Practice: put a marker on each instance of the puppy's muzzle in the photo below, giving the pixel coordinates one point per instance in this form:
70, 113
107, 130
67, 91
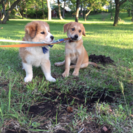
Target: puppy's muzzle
52, 38
75, 37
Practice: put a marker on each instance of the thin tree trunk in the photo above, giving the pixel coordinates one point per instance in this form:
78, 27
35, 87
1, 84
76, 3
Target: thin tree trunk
43, 9
59, 10
22, 14
36, 10
26, 10
111, 9
0, 16
118, 3
49, 9
128, 12
117, 9
9, 4
64, 9
77, 10
132, 13
81, 9
87, 14
84, 11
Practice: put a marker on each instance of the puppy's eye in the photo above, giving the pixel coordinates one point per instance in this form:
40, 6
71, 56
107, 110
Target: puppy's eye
79, 31
42, 32
73, 29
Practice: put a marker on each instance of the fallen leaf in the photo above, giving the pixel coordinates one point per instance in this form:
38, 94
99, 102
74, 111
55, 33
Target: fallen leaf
69, 109
131, 115
105, 129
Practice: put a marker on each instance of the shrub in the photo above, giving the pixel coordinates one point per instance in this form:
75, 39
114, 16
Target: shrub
13, 12
31, 13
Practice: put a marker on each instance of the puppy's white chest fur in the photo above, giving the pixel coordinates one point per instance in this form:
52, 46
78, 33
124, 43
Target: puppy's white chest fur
37, 56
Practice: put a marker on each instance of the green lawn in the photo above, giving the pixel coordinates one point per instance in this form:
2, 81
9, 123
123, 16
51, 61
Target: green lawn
41, 105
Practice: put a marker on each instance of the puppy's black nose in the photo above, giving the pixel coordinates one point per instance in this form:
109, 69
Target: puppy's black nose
76, 36
52, 37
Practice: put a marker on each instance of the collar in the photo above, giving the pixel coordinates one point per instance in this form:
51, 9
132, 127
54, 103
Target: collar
45, 50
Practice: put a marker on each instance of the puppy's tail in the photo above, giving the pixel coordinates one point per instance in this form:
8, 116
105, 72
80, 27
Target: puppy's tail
94, 64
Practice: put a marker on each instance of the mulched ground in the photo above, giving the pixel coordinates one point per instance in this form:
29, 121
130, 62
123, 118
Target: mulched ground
101, 59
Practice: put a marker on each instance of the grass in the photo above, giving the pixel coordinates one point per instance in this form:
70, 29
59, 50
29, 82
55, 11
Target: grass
19, 99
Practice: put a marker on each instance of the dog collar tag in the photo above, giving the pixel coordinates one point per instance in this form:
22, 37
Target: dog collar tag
45, 50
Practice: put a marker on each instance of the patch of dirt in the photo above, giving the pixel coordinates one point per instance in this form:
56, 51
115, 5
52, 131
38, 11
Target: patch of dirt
47, 109
101, 59
103, 95
91, 127
4, 84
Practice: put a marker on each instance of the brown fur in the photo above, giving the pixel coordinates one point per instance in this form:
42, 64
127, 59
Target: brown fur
74, 51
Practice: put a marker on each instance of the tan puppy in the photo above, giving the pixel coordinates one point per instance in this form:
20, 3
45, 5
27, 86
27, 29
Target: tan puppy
36, 31
75, 52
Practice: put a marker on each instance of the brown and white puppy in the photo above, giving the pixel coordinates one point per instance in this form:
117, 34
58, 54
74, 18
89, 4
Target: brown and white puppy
75, 52
36, 31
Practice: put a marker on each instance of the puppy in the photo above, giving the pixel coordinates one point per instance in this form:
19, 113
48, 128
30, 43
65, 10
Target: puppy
75, 52
36, 31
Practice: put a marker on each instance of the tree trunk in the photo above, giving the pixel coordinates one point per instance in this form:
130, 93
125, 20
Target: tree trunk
36, 9
49, 9
22, 14
111, 9
118, 3
81, 13
6, 13
5, 18
1, 16
43, 9
59, 10
64, 9
26, 10
84, 11
77, 10
87, 14
117, 9
129, 13
132, 13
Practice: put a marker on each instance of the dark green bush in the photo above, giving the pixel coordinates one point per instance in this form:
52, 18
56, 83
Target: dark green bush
32, 13
13, 12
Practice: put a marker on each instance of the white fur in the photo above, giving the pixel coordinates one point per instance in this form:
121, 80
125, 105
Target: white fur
38, 58
48, 36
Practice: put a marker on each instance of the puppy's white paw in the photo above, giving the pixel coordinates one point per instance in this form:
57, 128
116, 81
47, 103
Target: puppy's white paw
51, 79
27, 79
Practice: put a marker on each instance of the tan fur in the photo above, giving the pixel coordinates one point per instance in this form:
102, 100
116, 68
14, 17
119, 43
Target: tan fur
34, 56
74, 51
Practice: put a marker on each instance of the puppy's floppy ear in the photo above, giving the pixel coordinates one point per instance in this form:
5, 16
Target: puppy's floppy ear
83, 29
31, 29
66, 26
